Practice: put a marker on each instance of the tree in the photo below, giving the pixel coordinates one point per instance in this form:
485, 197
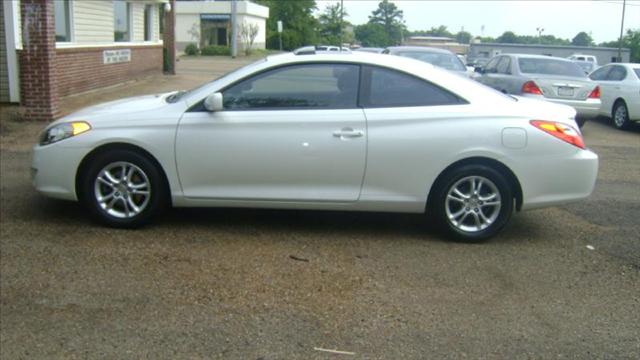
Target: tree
248, 33
631, 41
332, 25
388, 15
299, 25
463, 37
372, 35
508, 37
582, 39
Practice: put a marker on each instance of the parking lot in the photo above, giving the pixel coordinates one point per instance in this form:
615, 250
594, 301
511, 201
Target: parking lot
562, 282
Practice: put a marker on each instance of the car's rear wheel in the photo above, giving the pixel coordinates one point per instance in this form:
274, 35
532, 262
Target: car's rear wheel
472, 203
123, 188
580, 121
620, 115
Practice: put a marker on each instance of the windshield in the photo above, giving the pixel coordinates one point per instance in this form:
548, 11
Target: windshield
550, 67
446, 61
175, 97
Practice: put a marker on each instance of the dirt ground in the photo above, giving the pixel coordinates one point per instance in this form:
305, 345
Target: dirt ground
562, 282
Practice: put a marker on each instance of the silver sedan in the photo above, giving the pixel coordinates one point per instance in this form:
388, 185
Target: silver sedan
546, 78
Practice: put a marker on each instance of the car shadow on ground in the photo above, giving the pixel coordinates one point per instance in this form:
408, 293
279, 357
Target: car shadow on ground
257, 222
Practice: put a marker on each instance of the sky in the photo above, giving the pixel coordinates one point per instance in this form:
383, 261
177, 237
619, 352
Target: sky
600, 18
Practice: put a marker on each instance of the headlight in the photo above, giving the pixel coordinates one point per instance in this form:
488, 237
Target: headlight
63, 131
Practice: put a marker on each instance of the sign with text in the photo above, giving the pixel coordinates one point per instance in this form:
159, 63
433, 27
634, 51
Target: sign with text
116, 56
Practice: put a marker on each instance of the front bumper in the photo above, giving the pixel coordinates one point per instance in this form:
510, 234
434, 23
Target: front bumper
54, 168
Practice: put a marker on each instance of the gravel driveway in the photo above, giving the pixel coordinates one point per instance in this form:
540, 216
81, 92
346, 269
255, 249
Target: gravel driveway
262, 284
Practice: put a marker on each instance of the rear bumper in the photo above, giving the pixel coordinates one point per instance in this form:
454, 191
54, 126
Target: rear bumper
560, 181
589, 108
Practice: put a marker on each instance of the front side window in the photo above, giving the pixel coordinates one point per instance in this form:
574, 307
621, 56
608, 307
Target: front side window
504, 65
491, 66
121, 21
617, 73
62, 19
600, 74
391, 88
308, 86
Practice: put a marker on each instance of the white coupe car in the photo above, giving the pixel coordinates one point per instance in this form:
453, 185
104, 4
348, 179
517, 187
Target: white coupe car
620, 92
340, 131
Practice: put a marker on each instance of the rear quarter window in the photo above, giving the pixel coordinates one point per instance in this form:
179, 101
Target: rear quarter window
391, 88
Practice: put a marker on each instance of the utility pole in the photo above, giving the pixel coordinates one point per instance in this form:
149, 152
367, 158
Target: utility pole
340, 27
234, 28
624, 3
539, 30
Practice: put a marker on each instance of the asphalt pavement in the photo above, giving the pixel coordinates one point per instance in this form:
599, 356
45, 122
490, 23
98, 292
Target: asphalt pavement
562, 282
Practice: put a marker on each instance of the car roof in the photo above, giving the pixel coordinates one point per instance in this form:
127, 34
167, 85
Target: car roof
419, 49
533, 56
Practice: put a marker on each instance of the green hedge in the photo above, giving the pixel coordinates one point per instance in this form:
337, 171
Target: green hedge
191, 49
215, 50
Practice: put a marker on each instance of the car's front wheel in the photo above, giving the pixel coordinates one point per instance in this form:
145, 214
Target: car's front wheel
620, 115
473, 202
123, 188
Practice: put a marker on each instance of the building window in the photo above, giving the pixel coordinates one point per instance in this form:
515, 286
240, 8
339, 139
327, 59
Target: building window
161, 19
148, 23
62, 19
121, 21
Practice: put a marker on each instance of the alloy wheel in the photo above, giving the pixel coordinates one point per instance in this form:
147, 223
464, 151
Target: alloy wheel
122, 189
473, 203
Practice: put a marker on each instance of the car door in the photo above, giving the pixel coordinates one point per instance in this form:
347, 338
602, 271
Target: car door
503, 79
488, 71
293, 133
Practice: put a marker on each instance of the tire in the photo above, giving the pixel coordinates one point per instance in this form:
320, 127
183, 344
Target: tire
123, 189
580, 121
467, 216
620, 115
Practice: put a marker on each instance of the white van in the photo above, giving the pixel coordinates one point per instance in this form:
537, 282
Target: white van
581, 57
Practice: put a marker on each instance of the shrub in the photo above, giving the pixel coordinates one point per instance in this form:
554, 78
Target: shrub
215, 50
191, 49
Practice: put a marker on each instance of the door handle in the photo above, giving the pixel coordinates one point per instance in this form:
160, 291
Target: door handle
348, 133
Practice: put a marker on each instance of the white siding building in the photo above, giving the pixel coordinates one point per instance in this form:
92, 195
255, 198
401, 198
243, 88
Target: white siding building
209, 22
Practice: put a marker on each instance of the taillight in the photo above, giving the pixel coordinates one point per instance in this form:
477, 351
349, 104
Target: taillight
595, 94
562, 131
531, 87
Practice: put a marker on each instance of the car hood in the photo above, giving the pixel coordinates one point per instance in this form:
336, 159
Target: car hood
123, 106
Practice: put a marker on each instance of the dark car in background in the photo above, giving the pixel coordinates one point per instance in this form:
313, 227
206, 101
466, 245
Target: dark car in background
437, 57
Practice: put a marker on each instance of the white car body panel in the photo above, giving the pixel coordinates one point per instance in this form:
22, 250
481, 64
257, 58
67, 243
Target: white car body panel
627, 90
291, 158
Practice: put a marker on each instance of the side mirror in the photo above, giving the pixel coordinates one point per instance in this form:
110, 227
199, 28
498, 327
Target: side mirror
213, 102
479, 70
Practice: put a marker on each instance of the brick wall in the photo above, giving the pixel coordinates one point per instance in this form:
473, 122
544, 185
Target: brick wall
38, 91
82, 69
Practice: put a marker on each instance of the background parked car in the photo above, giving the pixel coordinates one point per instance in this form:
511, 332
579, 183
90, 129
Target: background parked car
547, 78
620, 92
438, 57
370, 49
583, 57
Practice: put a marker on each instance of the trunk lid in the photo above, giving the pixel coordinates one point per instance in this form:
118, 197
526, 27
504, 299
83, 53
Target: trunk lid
564, 87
